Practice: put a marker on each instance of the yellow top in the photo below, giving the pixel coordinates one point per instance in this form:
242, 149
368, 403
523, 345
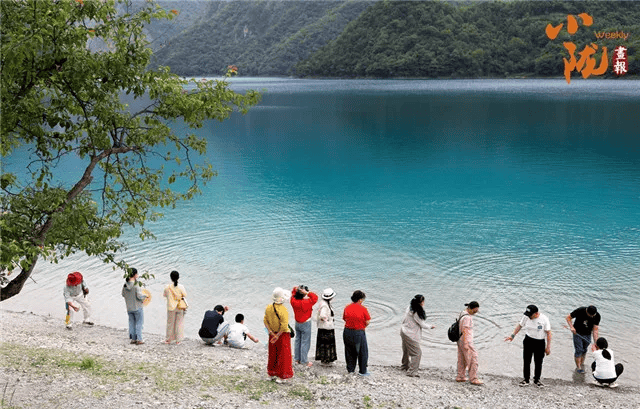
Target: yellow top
174, 294
271, 319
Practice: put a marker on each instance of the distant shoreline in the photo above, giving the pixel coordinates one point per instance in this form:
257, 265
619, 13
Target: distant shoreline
45, 365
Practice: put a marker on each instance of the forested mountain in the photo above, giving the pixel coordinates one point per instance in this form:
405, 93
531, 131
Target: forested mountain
485, 39
259, 37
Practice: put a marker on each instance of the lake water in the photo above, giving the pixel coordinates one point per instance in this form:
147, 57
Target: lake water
508, 192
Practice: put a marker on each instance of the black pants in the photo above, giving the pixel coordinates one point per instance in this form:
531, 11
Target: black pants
532, 347
355, 349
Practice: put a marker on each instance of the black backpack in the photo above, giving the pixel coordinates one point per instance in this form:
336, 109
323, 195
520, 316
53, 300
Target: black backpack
454, 330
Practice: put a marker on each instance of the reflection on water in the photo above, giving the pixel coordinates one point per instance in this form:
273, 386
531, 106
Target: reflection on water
506, 192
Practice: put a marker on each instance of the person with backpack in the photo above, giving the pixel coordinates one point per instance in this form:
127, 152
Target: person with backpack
467, 354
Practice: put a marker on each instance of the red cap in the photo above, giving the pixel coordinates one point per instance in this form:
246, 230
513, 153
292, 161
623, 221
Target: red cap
74, 278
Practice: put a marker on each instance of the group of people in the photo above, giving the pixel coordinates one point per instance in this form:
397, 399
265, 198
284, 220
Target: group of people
583, 323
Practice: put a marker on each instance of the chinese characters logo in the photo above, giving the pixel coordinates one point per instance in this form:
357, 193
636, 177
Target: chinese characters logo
586, 65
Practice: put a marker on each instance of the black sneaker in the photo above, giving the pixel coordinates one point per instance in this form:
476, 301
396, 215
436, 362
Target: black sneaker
524, 383
538, 384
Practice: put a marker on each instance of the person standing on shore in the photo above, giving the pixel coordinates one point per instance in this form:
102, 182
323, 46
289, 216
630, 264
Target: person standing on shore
176, 307
276, 320
302, 301
587, 320
133, 298
356, 319
467, 354
75, 296
411, 334
537, 327
605, 371
326, 340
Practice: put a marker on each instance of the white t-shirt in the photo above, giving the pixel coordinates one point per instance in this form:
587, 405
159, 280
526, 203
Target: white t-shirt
536, 328
605, 368
237, 333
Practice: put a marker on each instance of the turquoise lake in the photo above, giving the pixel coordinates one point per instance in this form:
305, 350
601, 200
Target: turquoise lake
508, 192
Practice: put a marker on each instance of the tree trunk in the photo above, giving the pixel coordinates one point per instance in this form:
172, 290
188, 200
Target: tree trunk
15, 286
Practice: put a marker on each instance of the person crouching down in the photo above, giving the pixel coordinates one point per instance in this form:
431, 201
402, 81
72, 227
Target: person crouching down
75, 296
605, 371
238, 333
213, 328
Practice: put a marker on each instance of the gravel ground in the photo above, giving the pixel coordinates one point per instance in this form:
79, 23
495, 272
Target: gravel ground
44, 365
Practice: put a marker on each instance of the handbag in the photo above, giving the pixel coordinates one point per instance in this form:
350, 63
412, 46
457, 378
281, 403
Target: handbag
291, 331
182, 302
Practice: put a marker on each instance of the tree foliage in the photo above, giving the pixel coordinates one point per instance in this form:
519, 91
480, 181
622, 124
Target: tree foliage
473, 39
263, 38
75, 88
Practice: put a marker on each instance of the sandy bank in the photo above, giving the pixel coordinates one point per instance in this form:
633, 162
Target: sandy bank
46, 366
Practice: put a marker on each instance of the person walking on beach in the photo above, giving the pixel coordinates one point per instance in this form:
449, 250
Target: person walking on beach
605, 371
356, 319
586, 322
276, 320
75, 296
213, 328
537, 327
134, 298
176, 307
326, 339
302, 301
411, 334
467, 354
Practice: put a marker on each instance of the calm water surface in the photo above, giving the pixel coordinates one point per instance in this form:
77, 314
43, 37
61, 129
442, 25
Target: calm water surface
508, 192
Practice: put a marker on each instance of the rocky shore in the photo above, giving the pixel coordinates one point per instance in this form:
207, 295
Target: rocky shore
44, 365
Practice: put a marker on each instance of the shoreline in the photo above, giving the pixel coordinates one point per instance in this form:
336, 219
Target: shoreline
45, 365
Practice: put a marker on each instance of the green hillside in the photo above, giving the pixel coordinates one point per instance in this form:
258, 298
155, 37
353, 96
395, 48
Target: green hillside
260, 37
484, 39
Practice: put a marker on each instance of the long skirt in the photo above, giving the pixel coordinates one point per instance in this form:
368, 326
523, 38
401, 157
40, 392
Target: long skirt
326, 346
280, 362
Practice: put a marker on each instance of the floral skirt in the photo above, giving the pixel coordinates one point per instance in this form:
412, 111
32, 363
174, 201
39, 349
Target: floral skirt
326, 346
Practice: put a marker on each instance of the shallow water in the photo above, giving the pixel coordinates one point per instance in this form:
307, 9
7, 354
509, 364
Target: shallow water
509, 192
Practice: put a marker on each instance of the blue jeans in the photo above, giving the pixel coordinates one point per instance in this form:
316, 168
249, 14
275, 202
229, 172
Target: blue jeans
223, 331
136, 319
302, 342
581, 344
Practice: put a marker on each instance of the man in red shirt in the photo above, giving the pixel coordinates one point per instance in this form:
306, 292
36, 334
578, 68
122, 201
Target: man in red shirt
302, 301
356, 318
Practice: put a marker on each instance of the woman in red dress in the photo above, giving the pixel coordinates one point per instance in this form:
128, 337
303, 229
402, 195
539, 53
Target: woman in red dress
276, 320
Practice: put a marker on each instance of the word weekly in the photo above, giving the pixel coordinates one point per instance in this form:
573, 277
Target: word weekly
611, 36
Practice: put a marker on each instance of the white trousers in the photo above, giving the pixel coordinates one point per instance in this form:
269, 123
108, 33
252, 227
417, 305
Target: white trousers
83, 303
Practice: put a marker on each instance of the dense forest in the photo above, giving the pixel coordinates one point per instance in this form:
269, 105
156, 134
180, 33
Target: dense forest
384, 39
259, 37
486, 39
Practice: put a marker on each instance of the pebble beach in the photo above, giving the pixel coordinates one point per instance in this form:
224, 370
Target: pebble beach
45, 365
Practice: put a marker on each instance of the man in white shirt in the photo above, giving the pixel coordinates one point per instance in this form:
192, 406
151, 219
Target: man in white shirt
238, 333
537, 327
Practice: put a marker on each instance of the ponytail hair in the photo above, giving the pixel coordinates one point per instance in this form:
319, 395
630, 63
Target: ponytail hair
603, 345
416, 306
174, 277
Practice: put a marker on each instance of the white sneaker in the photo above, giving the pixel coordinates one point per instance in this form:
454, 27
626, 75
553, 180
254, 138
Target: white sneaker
69, 326
613, 385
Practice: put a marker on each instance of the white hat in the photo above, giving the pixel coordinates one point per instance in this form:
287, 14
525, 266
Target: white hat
328, 294
279, 295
